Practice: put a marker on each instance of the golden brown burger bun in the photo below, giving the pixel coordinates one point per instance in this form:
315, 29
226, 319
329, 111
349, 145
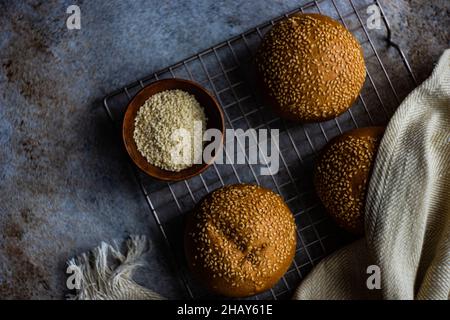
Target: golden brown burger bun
240, 240
342, 173
311, 67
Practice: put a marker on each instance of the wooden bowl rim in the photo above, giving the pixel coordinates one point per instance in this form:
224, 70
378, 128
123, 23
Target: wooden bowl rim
128, 128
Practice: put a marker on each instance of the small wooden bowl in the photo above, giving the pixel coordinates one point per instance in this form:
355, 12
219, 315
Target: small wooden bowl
213, 112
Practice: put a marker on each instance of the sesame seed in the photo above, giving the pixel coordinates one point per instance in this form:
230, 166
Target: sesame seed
248, 234
342, 174
312, 66
156, 122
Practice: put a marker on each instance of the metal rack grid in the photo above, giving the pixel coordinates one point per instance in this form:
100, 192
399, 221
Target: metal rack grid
226, 69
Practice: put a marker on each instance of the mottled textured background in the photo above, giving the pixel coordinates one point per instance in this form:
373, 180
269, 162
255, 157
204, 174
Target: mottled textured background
64, 183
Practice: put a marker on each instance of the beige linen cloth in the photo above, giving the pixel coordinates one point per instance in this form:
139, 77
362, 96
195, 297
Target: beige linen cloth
407, 217
106, 272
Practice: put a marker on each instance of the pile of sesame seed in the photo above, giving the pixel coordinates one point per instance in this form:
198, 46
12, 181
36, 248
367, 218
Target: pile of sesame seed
242, 238
160, 116
341, 179
311, 66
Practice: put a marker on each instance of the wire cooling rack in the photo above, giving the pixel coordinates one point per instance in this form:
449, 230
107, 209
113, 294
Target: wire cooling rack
227, 70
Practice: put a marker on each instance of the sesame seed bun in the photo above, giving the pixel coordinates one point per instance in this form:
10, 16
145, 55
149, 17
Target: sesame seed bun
240, 240
342, 173
310, 67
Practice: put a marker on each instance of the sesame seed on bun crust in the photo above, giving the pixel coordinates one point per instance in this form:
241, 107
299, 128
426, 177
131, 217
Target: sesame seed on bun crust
240, 240
342, 175
310, 67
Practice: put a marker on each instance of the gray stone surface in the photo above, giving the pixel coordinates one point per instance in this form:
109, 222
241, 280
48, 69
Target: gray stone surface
421, 28
64, 182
